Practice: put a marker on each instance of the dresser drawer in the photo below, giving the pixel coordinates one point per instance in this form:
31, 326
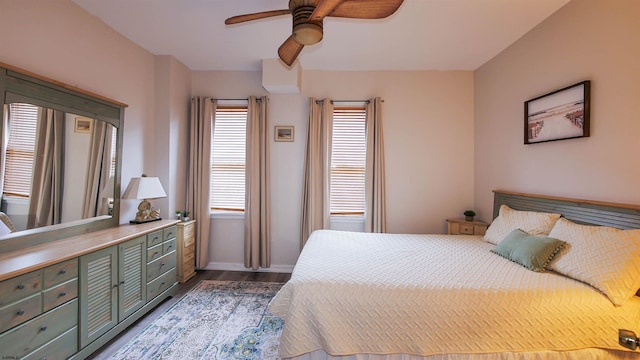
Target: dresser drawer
157, 286
154, 253
59, 294
169, 233
59, 348
31, 335
169, 246
20, 287
188, 235
154, 238
466, 229
188, 259
59, 273
159, 266
19, 312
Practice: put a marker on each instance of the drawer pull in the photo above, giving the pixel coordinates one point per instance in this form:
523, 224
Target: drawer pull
154, 254
162, 264
20, 312
170, 234
62, 294
21, 287
122, 282
62, 272
169, 247
43, 328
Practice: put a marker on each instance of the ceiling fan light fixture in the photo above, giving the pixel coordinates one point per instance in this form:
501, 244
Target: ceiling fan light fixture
307, 34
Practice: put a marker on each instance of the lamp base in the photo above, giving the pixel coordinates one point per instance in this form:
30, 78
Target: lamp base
143, 221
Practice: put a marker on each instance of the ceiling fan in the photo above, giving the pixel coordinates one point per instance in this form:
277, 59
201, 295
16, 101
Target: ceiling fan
308, 15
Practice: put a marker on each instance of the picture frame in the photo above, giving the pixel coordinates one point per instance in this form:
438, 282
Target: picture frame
284, 133
558, 115
82, 125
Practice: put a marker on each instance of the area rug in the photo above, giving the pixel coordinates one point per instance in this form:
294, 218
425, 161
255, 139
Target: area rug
214, 320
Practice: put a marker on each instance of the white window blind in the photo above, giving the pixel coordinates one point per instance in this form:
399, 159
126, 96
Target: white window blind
20, 149
228, 152
348, 160
114, 139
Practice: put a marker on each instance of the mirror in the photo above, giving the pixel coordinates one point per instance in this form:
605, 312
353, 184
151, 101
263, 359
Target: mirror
72, 184
81, 159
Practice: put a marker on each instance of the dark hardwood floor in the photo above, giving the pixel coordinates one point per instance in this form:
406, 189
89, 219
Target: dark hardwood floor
116, 343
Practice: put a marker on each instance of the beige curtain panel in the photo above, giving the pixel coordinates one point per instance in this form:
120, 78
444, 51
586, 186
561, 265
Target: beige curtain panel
316, 175
200, 132
257, 244
98, 169
47, 181
375, 216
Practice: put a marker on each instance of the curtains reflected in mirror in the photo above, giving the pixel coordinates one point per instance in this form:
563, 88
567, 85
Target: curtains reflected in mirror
55, 167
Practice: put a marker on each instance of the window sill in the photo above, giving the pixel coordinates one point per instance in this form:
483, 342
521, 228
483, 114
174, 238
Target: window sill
221, 214
347, 218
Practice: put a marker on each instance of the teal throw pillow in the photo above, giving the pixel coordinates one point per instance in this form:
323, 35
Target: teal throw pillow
534, 252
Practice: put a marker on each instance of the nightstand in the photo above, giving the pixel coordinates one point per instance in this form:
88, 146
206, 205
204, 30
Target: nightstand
186, 236
463, 227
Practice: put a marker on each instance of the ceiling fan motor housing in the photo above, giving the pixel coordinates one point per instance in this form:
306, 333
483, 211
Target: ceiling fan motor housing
305, 32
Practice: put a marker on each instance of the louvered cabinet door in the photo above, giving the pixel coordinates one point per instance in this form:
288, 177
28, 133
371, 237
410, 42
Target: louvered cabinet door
98, 294
132, 273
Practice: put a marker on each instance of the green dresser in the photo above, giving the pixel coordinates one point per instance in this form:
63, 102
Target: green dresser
39, 313
76, 294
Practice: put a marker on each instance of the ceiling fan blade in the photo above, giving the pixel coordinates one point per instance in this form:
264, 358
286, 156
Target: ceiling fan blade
289, 50
366, 9
324, 8
256, 16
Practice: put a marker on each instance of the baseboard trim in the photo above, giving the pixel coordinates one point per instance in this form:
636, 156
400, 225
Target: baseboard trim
240, 267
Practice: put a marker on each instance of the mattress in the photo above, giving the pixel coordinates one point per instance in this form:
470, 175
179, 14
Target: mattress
358, 293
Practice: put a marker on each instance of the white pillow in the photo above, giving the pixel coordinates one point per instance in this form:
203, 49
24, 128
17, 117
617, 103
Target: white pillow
603, 257
532, 222
4, 229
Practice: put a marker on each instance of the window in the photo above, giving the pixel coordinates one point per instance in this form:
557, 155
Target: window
20, 149
228, 152
114, 140
348, 160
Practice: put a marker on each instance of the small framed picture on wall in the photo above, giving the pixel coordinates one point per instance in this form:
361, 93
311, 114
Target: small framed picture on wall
83, 125
284, 133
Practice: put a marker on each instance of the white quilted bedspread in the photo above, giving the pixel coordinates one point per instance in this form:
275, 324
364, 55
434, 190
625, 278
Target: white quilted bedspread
435, 294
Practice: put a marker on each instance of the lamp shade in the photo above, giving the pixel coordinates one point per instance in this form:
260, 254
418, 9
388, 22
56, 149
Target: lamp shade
145, 187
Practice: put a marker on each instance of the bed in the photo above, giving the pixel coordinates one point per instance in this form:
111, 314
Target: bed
412, 296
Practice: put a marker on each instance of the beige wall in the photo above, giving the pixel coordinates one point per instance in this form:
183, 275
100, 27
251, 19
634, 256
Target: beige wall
428, 130
595, 40
170, 132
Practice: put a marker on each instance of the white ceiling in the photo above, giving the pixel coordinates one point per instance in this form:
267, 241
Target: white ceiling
421, 35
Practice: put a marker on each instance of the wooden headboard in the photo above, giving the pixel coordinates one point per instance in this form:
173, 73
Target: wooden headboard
621, 216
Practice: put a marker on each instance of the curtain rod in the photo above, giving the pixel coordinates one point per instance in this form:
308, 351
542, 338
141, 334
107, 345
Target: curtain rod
245, 99
343, 101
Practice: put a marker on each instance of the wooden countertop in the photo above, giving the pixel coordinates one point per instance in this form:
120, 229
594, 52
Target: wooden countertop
32, 258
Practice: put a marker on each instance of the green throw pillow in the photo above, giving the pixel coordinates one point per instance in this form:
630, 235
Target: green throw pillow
531, 251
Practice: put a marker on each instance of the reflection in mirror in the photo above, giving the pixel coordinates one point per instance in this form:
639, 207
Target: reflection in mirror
56, 167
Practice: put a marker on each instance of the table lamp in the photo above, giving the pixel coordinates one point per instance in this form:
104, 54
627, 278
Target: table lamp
145, 187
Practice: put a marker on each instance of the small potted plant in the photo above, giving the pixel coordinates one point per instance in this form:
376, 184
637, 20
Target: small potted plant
185, 215
178, 215
469, 214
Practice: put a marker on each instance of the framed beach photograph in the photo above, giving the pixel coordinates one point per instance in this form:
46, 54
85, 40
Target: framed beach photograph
83, 125
562, 114
284, 133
